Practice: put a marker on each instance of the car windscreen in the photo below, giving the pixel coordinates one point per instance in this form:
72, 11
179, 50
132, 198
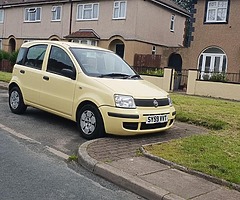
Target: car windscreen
103, 64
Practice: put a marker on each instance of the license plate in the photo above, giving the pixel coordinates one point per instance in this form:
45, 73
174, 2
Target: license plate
153, 119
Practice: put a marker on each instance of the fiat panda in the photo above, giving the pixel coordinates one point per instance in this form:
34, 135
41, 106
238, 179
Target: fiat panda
89, 85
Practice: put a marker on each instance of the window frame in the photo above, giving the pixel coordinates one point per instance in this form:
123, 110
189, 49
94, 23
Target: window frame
84, 9
2, 16
225, 21
27, 17
54, 12
119, 10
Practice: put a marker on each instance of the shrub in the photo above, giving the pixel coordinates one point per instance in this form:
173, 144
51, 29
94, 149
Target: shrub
156, 72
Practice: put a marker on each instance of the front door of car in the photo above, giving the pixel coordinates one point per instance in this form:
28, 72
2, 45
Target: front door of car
57, 86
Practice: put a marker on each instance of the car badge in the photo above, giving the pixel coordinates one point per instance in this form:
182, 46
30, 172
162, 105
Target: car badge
155, 103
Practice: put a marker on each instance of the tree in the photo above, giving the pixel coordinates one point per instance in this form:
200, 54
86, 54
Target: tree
185, 3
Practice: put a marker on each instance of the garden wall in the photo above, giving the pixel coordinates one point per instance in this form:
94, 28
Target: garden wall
212, 89
166, 82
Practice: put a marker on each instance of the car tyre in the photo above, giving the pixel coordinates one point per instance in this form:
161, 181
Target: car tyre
16, 102
89, 122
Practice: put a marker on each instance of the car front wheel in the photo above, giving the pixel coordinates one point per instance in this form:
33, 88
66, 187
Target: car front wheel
89, 121
16, 102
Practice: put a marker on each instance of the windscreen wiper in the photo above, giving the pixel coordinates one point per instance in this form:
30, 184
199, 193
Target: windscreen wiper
114, 75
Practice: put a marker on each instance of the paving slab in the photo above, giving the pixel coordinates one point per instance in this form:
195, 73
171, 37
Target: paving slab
180, 183
139, 166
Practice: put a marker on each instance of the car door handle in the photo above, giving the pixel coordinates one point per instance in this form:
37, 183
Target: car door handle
22, 71
46, 78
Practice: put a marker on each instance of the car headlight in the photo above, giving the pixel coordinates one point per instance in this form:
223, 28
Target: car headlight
170, 101
124, 101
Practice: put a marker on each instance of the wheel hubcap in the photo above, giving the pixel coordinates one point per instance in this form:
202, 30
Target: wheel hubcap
14, 100
88, 122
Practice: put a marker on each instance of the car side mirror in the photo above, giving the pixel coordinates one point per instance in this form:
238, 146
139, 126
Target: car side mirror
69, 73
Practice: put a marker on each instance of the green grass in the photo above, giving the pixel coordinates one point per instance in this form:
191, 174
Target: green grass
5, 76
216, 153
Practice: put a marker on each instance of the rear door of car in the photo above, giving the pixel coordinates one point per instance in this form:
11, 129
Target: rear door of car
57, 90
30, 72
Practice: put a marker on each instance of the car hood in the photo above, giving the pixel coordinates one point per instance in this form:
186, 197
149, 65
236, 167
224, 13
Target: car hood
136, 88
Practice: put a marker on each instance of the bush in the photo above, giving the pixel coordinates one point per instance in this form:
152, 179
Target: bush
156, 72
218, 77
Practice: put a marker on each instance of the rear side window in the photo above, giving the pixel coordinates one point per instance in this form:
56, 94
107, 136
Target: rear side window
35, 56
21, 55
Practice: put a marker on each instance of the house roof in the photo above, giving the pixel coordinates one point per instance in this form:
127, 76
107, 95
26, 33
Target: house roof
169, 4
84, 33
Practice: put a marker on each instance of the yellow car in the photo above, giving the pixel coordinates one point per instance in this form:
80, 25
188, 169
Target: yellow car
89, 85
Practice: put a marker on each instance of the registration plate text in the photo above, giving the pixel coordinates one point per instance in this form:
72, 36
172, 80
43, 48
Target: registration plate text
153, 119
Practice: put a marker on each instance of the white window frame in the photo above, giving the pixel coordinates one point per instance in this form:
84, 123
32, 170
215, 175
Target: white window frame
172, 23
154, 50
28, 14
83, 8
1, 15
56, 11
117, 8
216, 7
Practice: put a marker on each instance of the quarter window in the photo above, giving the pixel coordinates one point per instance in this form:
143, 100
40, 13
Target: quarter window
119, 9
88, 11
217, 11
56, 13
59, 60
35, 56
1, 16
32, 14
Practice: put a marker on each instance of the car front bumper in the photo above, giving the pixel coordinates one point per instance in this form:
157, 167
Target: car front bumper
120, 121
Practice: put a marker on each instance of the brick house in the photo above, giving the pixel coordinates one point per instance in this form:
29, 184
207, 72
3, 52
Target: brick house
131, 28
215, 47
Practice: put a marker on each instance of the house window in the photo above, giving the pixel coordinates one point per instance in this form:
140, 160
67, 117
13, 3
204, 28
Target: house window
32, 14
217, 11
154, 50
0, 43
88, 11
211, 61
56, 13
1, 16
172, 23
119, 9
86, 41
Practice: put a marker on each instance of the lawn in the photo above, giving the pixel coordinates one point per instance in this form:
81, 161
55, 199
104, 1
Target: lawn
5, 76
217, 152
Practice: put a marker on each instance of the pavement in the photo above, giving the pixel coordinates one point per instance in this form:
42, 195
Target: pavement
124, 161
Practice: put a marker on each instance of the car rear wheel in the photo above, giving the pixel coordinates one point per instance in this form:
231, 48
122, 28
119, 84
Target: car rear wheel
16, 102
89, 121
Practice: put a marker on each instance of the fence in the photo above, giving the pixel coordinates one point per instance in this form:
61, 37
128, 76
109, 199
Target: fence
219, 77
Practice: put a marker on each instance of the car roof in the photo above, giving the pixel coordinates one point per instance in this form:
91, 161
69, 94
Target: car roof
63, 44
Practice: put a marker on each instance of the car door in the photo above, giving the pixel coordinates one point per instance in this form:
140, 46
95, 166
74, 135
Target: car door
58, 88
30, 72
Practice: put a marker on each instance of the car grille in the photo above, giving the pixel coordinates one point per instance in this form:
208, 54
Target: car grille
145, 126
149, 102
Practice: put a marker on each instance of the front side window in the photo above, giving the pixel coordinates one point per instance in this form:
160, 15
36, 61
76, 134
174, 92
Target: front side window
119, 9
56, 13
35, 56
216, 11
59, 60
212, 61
1, 16
32, 14
88, 11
